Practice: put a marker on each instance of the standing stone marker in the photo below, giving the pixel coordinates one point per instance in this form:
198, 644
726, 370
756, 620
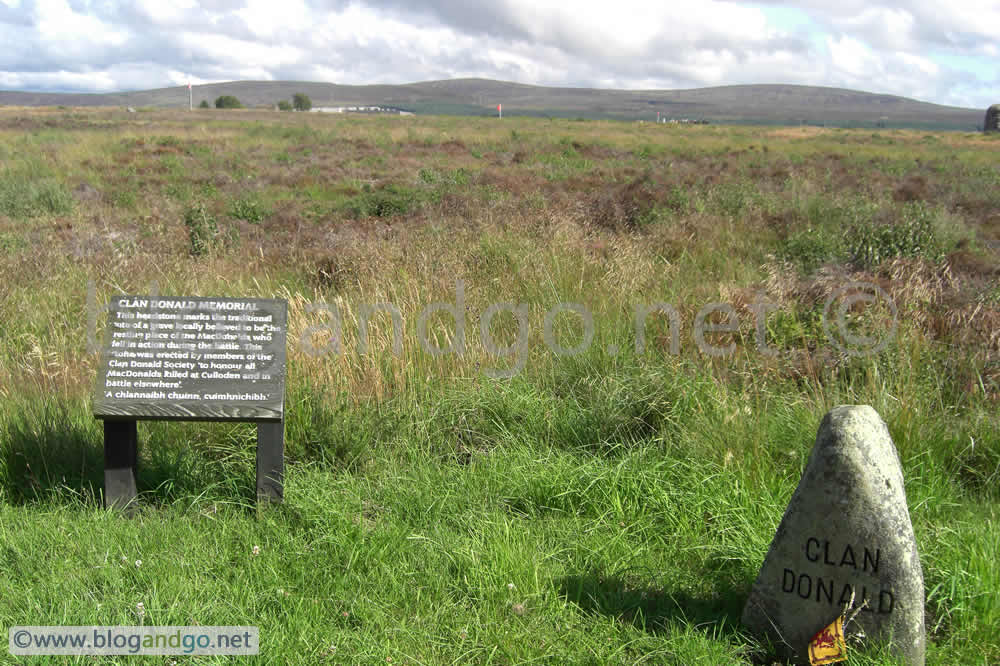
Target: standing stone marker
191, 359
992, 121
846, 532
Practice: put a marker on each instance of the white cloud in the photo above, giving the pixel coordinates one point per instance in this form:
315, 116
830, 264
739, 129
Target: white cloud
267, 18
851, 57
163, 13
238, 53
882, 26
57, 23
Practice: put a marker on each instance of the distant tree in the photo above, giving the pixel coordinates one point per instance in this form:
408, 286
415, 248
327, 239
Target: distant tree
228, 102
204, 104
301, 102
284, 105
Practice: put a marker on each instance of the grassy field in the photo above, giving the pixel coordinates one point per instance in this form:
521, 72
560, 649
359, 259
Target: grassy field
560, 496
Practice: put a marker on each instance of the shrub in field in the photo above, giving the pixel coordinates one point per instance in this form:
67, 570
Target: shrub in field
735, 198
228, 102
812, 247
179, 191
648, 151
493, 256
22, 197
301, 102
627, 207
11, 243
913, 235
429, 176
248, 209
124, 197
203, 230
204, 104
460, 176
336, 271
284, 105
384, 202
50, 196
678, 200
821, 239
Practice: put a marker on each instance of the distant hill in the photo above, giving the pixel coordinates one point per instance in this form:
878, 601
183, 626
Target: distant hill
757, 104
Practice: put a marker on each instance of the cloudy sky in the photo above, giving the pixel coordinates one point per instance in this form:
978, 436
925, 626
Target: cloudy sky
944, 52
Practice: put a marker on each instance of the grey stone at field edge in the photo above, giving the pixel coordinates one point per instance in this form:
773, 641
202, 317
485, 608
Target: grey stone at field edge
846, 531
992, 121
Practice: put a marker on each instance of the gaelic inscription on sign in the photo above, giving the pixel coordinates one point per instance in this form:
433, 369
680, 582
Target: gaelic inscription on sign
193, 358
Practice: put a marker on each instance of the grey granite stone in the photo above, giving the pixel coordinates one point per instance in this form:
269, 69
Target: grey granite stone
846, 531
992, 121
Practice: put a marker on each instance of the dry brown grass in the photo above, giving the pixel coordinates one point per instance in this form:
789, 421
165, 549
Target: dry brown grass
610, 228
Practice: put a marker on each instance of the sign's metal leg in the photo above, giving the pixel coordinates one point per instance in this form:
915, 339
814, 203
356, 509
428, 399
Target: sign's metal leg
121, 447
270, 461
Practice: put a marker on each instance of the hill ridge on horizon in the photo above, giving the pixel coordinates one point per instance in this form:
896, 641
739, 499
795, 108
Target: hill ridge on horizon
765, 103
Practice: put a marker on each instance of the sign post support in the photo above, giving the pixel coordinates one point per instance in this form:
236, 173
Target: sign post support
270, 461
121, 447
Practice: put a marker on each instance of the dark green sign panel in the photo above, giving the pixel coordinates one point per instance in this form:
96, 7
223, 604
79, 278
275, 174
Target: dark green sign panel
193, 359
